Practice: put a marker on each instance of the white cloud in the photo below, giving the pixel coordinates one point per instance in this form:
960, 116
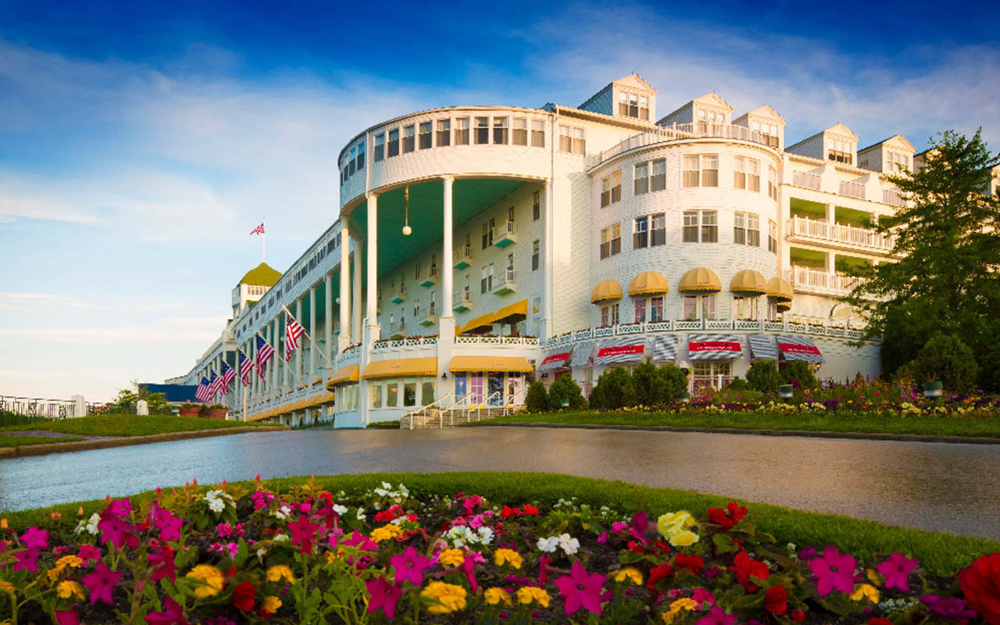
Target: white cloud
134, 336
28, 302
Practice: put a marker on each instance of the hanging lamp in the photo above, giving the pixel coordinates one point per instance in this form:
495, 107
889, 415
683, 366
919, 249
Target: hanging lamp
406, 223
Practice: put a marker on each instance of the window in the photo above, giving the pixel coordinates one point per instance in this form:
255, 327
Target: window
839, 151
690, 226
393, 142
489, 277
482, 281
658, 175
376, 396
361, 156
391, 394
633, 105
572, 140
416, 270
408, 138
519, 136
709, 227
536, 206
772, 237
770, 132
709, 230
740, 228
605, 191
426, 137
698, 307
352, 162
746, 173
896, 161
772, 183
409, 393
753, 230
711, 375
486, 236
640, 233
641, 183
462, 131
656, 309
611, 240
701, 170
658, 229
609, 315
379, 146
745, 308
493, 227
443, 132
535, 254
500, 130
616, 186
427, 392
482, 130
640, 310
538, 133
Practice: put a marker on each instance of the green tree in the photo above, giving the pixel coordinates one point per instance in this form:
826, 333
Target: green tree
763, 376
566, 388
944, 278
614, 390
948, 359
650, 386
538, 397
675, 382
128, 398
799, 374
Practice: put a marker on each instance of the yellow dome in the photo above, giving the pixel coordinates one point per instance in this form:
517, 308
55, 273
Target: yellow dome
699, 279
606, 290
648, 283
748, 281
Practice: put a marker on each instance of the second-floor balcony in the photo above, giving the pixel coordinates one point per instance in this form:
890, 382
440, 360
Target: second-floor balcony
680, 132
398, 295
505, 283
505, 234
462, 300
837, 234
428, 277
463, 257
852, 189
820, 282
430, 317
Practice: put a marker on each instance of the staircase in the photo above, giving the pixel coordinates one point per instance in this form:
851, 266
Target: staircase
439, 415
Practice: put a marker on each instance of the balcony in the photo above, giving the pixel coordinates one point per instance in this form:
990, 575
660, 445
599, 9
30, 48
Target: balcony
505, 283
428, 277
683, 132
430, 318
806, 180
852, 189
398, 297
892, 197
397, 330
806, 280
505, 235
847, 237
463, 257
462, 300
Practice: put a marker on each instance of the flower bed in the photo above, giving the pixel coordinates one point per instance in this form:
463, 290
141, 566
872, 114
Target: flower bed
250, 553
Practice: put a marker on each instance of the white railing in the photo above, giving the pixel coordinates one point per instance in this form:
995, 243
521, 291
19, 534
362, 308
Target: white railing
892, 197
806, 180
680, 132
813, 228
852, 189
46, 408
507, 230
477, 339
506, 280
462, 297
424, 411
464, 255
804, 278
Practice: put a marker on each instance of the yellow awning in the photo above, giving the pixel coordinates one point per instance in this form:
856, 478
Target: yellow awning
401, 367
748, 281
648, 283
699, 279
606, 290
481, 321
513, 313
512, 364
779, 289
322, 398
343, 376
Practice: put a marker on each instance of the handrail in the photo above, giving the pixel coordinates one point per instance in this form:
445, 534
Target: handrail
486, 402
451, 409
423, 409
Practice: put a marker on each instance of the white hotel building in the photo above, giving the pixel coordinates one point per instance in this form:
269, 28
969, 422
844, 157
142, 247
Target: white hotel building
478, 247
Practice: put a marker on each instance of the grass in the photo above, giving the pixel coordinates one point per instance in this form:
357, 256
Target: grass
127, 425
941, 554
23, 441
815, 422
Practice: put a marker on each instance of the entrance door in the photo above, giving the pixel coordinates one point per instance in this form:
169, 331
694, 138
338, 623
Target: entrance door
494, 389
477, 390
461, 384
515, 390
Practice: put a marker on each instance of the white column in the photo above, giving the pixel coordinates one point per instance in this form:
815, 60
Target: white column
447, 269
345, 291
275, 359
371, 246
312, 333
549, 256
328, 324
831, 214
298, 377
285, 368
356, 295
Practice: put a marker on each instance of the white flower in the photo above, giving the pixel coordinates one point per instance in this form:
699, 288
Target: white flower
260, 554
386, 485
89, 525
339, 509
280, 538
361, 514
381, 492
485, 535
461, 535
404, 491
216, 505
569, 544
217, 500
548, 545
284, 513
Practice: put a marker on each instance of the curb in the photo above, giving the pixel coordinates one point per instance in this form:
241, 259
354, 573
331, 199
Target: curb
875, 436
126, 441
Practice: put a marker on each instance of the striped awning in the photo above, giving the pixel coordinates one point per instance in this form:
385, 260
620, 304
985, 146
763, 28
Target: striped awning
582, 354
557, 358
714, 347
621, 349
665, 348
762, 347
799, 348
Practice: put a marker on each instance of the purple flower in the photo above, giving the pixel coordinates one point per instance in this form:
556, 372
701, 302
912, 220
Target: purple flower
583, 590
833, 571
117, 532
896, 571
27, 561
409, 566
121, 508
950, 608
384, 596
717, 616
35, 538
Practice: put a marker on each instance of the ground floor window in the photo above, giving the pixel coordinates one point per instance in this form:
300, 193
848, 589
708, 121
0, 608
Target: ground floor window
347, 398
709, 376
699, 307
746, 307
376, 396
410, 393
391, 395
427, 392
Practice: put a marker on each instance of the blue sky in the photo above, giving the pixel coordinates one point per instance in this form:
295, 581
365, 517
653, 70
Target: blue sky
140, 142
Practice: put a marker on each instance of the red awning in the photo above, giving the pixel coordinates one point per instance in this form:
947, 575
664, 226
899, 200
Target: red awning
714, 346
555, 360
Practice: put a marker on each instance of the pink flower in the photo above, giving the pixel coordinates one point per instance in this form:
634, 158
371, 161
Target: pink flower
101, 583
603, 538
581, 590
121, 508
170, 526
717, 616
384, 596
833, 571
162, 562
896, 571
703, 596
35, 538
303, 533
409, 566
67, 617
27, 560
117, 532
172, 615
468, 567
89, 552
618, 528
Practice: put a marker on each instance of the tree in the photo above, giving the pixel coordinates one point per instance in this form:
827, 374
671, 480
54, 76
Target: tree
128, 398
948, 359
946, 249
675, 382
538, 397
799, 374
566, 388
763, 376
649, 385
614, 390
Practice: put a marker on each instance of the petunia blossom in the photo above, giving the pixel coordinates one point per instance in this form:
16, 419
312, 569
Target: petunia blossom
896, 571
833, 571
409, 566
67, 617
384, 596
101, 583
35, 538
581, 590
303, 533
173, 614
27, 560
717, 616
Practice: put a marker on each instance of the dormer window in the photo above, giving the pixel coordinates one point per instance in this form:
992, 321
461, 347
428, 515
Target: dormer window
896, 161
770, 133
840, 151
633, 105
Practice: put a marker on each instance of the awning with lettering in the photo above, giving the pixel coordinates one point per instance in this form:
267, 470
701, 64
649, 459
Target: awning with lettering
714, 347
510, 364
799, 348
665, 348
400, 367
762, 347
620, 350
556, 358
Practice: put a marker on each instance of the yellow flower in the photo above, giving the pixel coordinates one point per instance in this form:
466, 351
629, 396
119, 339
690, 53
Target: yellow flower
73, 562
451, 557
674, 522
530, 594
211, 576
69, 588
628, 573
677, 606
448, 597
386, 532
496, 595
280, 572
683, 539
507, 556
270, 604
865, 591
6, 586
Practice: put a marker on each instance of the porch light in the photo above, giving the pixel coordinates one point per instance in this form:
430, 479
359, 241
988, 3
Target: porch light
406, 219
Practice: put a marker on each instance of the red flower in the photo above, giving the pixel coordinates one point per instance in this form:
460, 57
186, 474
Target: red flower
878, 620
747, 567
692, 563
720, 518
303, 533
981, 587
736, 511
162, 562
798, 616
530, 510
776, 600
243, 596
508, 512
657, 573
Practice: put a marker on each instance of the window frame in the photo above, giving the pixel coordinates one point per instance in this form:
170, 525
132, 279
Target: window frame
409, 138
640, 178
425, 137
442, 132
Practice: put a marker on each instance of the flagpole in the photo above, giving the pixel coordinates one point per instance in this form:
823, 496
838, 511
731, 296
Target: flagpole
263, 240
311, 341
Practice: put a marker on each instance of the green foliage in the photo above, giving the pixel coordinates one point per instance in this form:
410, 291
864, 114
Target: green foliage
616, 390
737, 384
129, 425
24, 441
566, 388
763, 376
537, 399
948, 359
675, 382
127, 399
8, 418
799, 374
649, 385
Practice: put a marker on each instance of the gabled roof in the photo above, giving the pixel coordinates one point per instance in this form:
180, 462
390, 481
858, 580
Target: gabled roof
261, 275
634, 80
713, 99
841, 129
897, 139
766, 111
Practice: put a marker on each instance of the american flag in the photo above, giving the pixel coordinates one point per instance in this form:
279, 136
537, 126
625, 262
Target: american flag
292, 333
215, 386
228, 375
259, 229
246, 367
264, 353
201, 394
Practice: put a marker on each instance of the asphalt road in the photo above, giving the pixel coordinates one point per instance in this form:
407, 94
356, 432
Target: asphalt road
935, 486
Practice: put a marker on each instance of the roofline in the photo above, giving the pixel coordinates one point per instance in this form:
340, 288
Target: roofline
599, 92
887, 139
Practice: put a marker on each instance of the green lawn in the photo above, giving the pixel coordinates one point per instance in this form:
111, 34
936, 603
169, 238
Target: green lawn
941, 554
817, 422
22, 441
127, 425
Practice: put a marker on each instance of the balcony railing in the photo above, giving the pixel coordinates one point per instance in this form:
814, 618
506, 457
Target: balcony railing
892, 197
462, 300
806, 180
505, 283
430, 318
463, 257
428, 276
399, 296
679, 132
819, 281
505, 234
837, 233
852, 189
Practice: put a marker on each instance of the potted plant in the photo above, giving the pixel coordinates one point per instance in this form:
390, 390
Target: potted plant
187, 409
217, 411
933, 387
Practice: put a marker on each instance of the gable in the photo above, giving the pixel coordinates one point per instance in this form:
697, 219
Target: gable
713, 99
634, 81
766, 112
842, 130
899, 142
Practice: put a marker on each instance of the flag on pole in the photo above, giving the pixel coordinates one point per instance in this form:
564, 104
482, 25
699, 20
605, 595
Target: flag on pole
264, 353
201, 394
246, 367
214, 386
259, 229
292, 333
228, 375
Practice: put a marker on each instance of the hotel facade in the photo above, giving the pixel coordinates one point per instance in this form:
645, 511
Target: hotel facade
477, 248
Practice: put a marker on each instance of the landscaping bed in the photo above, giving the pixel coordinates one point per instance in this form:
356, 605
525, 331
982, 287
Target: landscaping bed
478, 547
126, 425
24, 441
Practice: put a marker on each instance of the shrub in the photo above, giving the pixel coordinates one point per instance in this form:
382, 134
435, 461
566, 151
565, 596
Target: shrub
737, 384
615, 390
566, 388
649, 385
947, 358
538, 397
763, 376
799, 374
675, 382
